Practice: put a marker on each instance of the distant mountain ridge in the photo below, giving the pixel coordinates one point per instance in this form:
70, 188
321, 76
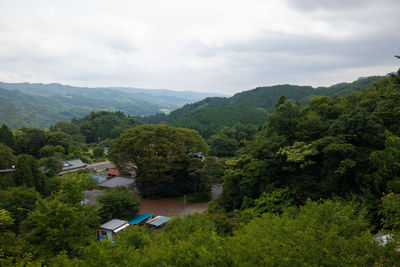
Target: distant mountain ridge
41, 105
213, 113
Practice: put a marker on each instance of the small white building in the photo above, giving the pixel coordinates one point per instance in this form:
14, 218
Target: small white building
111, 228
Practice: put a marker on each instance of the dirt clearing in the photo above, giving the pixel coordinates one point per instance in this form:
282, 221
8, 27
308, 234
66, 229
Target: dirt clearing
171, 207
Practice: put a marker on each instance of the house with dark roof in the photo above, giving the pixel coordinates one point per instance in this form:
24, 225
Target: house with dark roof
117, 181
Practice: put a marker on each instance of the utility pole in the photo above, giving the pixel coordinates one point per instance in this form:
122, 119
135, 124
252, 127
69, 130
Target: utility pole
184, 201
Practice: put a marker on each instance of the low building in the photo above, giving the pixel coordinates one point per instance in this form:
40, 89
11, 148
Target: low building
158, 222
101, 166
113, 172
111, 228
72, 165
117, 181
140, 219
7, 170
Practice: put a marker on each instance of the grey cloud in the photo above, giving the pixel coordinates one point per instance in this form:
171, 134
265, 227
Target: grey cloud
311, 5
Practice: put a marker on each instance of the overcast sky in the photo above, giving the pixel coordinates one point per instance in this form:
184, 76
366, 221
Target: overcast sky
223, 46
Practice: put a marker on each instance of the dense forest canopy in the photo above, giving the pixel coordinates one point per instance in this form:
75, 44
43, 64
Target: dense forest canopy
333, 146
210, 115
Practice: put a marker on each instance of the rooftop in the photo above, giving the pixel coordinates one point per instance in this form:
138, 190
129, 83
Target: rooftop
7, 170
117, 181
73, 164
113, 224
139, 218
159, 220
113, 172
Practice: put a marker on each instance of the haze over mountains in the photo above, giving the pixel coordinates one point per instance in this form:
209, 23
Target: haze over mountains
41, 105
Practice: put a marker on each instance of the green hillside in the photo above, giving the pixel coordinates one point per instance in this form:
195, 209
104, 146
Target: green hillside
251, 107
42, 105
207, 120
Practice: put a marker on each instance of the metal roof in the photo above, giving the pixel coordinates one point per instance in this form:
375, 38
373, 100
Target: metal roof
117, 181
113, 172
159, 220
113, 224
139, 218
73, 164
7, 170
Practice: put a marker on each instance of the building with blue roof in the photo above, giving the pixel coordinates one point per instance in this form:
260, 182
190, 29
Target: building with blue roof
140, 218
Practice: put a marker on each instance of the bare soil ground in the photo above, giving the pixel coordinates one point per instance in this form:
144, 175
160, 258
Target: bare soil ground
171, 207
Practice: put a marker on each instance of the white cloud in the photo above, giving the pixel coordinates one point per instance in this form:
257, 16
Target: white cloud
217, 45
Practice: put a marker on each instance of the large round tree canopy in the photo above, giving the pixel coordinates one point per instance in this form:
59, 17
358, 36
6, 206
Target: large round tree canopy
159, 154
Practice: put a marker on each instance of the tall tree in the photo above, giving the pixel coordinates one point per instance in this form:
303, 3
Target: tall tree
7, 158
158, 153
56, 226
28, 173
6, 136
118, 203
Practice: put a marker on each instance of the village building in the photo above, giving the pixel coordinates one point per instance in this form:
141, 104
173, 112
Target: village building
117, 181
140, 219
7, 171
158, 222
113, 172
111, 228
72, 165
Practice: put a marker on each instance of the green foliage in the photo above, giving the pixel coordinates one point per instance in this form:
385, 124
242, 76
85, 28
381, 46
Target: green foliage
7, 158
227, 141
72, 185
118, 203
43, 105
65, 127
330, 233
320, 150
30, 141
59, 139
19, 201
101, 125
159, 154
298, 153
326, 234
98, 152
56, 225
51, 166
6, 136
274, 202
5, 218
208, 120
253, 106
28, 173
390, 211
387, 162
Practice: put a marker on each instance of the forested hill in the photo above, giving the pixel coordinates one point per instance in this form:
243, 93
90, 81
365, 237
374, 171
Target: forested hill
42, 105
253, 106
